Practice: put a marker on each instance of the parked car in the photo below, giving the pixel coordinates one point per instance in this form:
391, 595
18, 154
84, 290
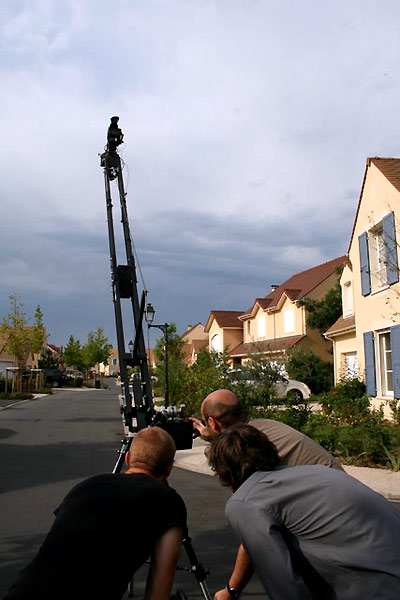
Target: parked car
54, 377
297, 391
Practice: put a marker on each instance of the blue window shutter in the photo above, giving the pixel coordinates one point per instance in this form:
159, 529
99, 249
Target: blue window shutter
389, 238
364, 264
370, 372
395, 345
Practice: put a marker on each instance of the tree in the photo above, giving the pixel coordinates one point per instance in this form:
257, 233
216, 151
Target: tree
176, 366
306, 366
15, 330
38, 335
48, 360
73, 354
96, 350
324, 313
207, 374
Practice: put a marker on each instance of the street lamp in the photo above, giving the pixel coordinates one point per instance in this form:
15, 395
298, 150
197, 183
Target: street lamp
150, 314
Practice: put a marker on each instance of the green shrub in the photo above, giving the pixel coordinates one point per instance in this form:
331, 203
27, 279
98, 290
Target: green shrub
16, 396
347, 402
78, 381
368, 442
306, 366
323, 431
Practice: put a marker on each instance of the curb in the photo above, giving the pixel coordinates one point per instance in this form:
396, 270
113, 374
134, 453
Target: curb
382, 481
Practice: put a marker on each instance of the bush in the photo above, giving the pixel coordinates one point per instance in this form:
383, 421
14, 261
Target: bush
77, 382
347, 402
306, 366
16, 396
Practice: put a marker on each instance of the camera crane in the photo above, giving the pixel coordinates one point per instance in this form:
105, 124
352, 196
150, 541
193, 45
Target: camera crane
137, 414
137, 407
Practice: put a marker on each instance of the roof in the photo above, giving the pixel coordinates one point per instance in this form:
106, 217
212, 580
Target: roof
341, 326
191, 329
277, 345
225, 319
300, 284
390, 168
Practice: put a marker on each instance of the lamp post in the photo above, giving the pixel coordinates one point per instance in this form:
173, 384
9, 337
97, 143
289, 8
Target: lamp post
150, 313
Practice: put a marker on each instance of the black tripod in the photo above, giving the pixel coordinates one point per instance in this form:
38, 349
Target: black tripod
136, 397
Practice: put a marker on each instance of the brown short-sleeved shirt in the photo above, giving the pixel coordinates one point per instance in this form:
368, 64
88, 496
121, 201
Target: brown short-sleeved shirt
294, 448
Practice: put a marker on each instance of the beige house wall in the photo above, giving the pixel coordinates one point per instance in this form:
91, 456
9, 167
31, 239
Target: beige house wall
379, 309
195, 333
228, 338
289, 307
342, 345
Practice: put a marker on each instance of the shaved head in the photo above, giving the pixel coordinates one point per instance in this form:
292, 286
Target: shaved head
153, 448
223, 406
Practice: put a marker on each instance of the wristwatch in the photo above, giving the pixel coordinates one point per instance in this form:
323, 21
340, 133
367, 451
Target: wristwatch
232, 591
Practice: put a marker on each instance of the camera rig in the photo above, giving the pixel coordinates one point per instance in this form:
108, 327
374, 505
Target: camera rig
137, 405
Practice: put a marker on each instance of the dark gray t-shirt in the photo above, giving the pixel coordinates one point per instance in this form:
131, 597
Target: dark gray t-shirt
315, 532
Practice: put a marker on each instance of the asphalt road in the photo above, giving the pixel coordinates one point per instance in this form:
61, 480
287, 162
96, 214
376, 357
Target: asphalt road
49, 445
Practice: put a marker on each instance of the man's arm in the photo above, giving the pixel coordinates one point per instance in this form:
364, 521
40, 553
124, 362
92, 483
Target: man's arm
241, 575
162, 570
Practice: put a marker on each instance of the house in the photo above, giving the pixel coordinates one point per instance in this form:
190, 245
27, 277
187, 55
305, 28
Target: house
366, 338
224, 329
112, 368
195, 339
276, 322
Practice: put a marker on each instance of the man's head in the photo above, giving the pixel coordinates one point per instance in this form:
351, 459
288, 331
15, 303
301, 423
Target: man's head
152, 451
221, 409
240, 451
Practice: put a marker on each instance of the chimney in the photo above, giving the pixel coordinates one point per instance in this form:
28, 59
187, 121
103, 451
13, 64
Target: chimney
274, 287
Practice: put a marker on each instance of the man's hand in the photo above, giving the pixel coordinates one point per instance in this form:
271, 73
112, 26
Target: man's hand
222, 595
201, 428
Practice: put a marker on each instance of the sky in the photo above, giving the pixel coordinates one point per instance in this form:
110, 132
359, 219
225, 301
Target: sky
247, 125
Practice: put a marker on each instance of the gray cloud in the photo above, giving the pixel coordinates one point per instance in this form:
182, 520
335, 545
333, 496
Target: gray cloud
246, 129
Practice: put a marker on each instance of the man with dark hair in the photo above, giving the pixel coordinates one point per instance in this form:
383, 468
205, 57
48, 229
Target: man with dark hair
222, 409
107, 527
310, 532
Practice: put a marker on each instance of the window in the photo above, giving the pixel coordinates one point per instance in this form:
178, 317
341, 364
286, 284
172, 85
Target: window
382, 362
385, 363
378, 256
347, 299
216, 343
289, 320
115, 361
350, 365
261, 327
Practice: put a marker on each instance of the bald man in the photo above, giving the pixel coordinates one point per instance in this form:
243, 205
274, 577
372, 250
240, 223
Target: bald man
220, 410
107, 527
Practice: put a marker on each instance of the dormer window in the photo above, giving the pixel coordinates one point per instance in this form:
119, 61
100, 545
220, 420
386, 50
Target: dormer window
347, 299
261, 327
289, 320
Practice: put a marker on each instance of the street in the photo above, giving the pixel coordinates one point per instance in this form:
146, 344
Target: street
49, 445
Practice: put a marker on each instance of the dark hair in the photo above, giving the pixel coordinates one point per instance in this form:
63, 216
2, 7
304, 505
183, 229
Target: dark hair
240, 451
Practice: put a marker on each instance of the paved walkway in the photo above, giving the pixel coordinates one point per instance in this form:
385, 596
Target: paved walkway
383, 481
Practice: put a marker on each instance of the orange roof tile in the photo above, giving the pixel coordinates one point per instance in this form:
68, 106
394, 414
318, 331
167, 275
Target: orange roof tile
342, 325
225, 318
277, 345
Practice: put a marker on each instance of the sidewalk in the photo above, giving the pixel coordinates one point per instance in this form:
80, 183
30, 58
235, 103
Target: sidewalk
383, 481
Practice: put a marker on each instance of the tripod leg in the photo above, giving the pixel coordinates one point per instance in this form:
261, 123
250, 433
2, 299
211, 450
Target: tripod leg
197, 568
